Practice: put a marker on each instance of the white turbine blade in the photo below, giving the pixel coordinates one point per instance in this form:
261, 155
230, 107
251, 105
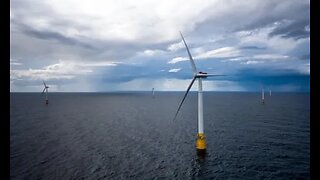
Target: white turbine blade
190, 57
216, 75
44, 84
43, 90
184, 97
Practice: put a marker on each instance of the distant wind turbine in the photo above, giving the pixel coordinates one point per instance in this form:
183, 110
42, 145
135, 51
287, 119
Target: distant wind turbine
269, 92
201, 143
45, 89
262, 96
153, 92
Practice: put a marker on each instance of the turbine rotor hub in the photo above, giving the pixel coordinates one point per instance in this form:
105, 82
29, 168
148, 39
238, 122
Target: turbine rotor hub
202, 75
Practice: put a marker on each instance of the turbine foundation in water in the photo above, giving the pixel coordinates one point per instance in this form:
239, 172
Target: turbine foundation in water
201, 143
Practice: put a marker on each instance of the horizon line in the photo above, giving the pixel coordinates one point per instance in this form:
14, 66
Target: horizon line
128, 91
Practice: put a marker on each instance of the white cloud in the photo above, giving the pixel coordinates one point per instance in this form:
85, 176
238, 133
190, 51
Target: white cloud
237, 59
151, 21
150, 52
178, 59
13, 60
174, 70
141, 31
224, 52
270, 56
121, 20
99, 64
252, 62
15, 63
61, 70
219, 53
175, 46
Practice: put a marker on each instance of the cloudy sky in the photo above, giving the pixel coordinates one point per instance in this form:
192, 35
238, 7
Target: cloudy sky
124, 45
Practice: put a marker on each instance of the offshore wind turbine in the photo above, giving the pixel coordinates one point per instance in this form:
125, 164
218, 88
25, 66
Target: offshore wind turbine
153, 92
201, 142
45, 89
262, 96
269, 92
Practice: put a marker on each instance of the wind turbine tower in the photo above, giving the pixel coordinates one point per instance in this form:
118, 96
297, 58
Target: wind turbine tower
262, 96
45, 89
201, 139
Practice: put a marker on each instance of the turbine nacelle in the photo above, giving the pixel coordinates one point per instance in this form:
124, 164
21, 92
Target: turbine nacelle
201, 75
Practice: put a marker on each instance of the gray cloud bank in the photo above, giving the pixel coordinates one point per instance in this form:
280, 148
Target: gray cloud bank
250, 33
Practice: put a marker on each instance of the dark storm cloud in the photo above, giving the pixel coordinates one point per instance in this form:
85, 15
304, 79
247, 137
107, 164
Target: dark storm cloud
56, 36
252, 47
295, 29
304, 57
29, 43
19, 25
254, 79
259, 14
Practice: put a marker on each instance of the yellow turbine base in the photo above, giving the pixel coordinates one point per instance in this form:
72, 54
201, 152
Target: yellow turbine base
201, 142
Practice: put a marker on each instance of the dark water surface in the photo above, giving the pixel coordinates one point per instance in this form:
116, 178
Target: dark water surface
132, 136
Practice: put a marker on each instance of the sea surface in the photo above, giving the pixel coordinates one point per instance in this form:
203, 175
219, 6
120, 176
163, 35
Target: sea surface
133, 136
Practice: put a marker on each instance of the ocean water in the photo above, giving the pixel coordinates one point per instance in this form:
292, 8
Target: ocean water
133, 136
